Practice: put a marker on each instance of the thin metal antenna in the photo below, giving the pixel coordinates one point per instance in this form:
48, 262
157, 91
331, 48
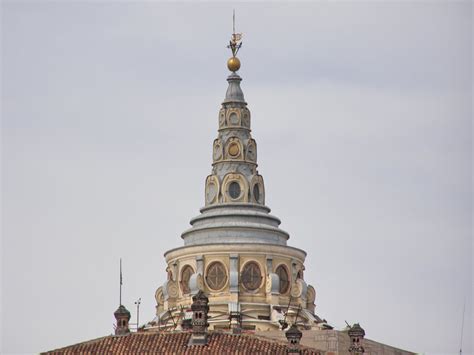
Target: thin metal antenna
120, 298
462, 325
138, 311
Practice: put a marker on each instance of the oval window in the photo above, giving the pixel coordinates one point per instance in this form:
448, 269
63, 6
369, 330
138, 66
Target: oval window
251, 276
216, 276
234, 189
284, 279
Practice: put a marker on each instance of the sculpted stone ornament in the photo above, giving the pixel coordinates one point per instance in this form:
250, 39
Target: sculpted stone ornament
212, 189
159, 298
222, 118
217, 150
251, 151
172, 290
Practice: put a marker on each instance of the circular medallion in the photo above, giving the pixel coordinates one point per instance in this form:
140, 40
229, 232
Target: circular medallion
234, 150
295, 290
172, 289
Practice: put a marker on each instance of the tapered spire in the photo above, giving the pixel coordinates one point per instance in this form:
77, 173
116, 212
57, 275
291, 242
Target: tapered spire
234, 177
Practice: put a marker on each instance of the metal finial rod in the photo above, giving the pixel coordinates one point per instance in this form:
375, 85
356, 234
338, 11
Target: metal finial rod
236, 38
120, 296
462, 326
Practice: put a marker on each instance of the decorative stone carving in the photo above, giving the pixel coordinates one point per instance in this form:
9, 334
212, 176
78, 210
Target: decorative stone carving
160, 300
297, 288
222, 118
172, 289
212, 189
251, 153
217, 151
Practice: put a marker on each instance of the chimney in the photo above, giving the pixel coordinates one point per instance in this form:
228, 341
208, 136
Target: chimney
122, 315
199, 323
356, 333
294, 336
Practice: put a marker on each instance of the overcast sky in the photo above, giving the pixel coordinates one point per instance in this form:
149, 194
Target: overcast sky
362, 116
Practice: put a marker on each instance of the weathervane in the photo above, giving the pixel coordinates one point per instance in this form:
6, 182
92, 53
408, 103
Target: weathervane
235, 43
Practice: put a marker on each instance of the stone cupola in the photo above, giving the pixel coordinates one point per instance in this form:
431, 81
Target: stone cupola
122, 315
235, 250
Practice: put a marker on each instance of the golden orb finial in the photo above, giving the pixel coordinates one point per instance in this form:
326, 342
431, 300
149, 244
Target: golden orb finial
233, 64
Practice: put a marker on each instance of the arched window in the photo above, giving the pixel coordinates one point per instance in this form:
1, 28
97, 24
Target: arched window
284, 279
186, 273
251, 276
216, 276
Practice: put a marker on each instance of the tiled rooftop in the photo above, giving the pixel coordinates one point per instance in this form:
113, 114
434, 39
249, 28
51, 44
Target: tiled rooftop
176, 343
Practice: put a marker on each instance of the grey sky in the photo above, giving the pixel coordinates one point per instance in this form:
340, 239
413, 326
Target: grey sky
362, 116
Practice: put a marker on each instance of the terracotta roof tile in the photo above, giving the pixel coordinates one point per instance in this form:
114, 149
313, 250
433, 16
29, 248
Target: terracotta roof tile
177, 343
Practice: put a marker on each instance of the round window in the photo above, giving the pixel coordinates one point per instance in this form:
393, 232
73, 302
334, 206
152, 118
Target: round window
284, 279
234, 189
256, 192
216, 276
185, 276
251, 276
